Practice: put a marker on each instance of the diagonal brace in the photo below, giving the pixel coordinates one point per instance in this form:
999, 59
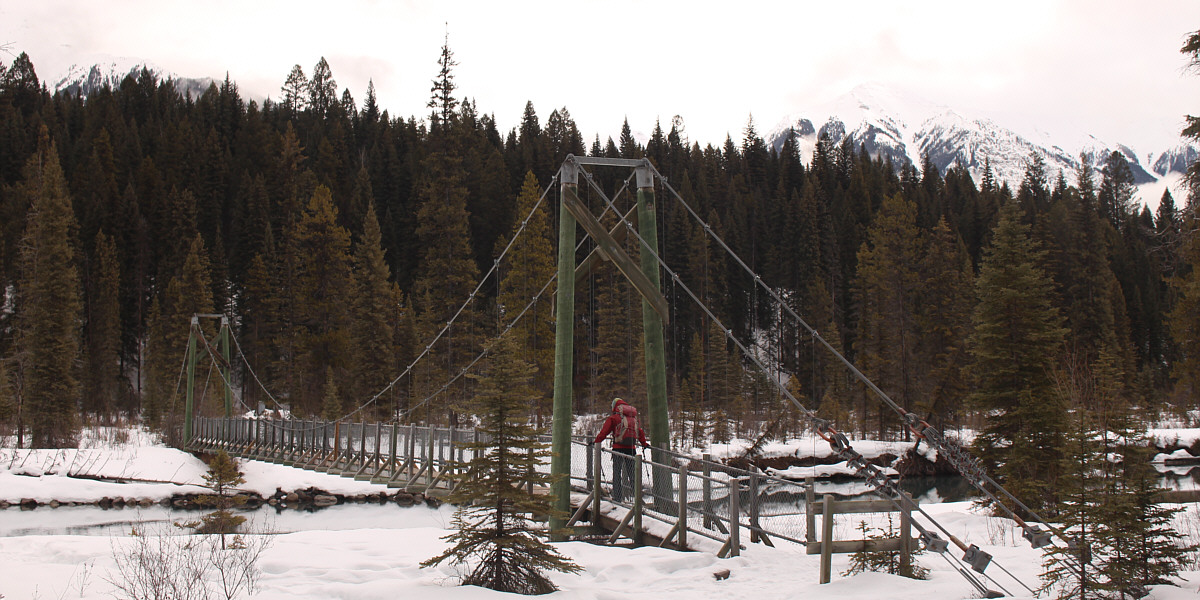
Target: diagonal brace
612, 249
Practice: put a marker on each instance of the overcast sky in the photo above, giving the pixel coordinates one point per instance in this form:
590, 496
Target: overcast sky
1107, 67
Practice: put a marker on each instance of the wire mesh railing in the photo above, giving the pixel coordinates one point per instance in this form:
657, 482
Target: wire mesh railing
663, 497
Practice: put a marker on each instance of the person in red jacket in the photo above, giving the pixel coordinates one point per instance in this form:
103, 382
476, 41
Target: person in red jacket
626, 433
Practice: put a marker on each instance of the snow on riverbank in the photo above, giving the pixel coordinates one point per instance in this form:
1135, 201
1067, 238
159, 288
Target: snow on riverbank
356, 552
150, 470
383, 563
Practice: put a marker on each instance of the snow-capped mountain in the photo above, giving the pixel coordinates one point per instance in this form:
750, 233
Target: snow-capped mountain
88, 77
904, 128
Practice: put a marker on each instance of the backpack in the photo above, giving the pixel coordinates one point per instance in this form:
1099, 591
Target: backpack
626, 431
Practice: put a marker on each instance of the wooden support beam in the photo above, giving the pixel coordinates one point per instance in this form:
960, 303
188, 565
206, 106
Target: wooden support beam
628, 268
619, 232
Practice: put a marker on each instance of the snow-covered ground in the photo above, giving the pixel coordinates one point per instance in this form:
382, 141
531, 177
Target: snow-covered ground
359, 554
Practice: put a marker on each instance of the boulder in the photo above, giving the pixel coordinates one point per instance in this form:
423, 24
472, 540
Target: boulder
321, 500
404, 499
28, 503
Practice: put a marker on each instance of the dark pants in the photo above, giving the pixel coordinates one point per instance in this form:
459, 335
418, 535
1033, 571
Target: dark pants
622, 472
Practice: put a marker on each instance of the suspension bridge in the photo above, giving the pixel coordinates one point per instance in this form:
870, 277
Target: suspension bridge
685, 502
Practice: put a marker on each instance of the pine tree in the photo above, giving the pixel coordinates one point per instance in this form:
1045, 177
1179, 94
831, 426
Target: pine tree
1185, 317
1016, 344
322, 89
222, 477
186, 294
493, 538
945, 302
442, 99
324, 281
102, 379
532, 262
889, 283
375, 361
331, 398
48, 303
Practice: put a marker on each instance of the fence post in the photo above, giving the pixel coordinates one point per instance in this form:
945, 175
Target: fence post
430, 458
597, 478
706, 486
411, 459
587, 467
735, 515
637, 499
810, 531
826, 537
906, 503
682, 537
754, 525
392, 451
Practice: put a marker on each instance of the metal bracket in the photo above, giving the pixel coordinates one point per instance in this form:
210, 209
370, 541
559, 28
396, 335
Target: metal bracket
933, 543
1036, 536
978, 559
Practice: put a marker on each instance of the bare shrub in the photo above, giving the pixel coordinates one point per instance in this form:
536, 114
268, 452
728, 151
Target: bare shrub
160, 566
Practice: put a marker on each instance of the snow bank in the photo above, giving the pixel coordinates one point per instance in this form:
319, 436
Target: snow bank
139, 466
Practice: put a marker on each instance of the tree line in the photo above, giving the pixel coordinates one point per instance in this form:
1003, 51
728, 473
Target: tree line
342, 240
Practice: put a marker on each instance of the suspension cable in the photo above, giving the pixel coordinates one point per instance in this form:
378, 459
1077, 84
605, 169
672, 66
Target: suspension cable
838, 441
967, 465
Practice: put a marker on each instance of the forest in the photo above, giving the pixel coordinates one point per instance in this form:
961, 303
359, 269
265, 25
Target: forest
340, 240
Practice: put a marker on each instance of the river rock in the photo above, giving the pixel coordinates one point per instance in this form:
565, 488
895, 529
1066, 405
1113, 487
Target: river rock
144, 502
432, 502
3, 505
404, 499
322, 500
28, 503
105, 502
292, 498
55, 504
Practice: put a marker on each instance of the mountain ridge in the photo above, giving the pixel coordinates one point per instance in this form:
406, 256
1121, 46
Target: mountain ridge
904, 128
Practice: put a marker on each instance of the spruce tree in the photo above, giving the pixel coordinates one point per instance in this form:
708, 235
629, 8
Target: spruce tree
945, 302
48, 304
222, 477
1016, 345
186, 294
531, 263
102, 379
1185, 317
374, 312
494, 540
889, 265
324, 282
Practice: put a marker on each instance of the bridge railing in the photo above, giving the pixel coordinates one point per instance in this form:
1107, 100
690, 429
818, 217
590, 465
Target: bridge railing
681, 496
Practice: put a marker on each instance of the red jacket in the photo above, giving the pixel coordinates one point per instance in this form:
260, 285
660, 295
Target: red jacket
610, 425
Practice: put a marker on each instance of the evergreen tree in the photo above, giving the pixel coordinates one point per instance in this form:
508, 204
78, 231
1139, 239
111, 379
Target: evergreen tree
889, 283
945, 302
48, 304
322, 89
102, 379
222, 477
1016, 344
186, 294
375, 362
493, 538
324, 281
447, 274
532, 262
442, 99
1185, 317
